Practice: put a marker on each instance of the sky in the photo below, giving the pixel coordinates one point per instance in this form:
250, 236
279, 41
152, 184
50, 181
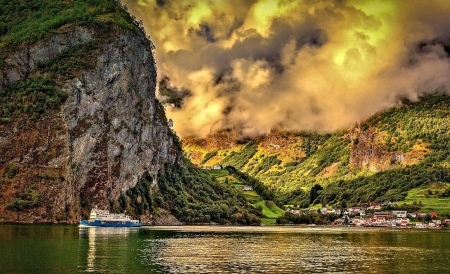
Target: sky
296, 65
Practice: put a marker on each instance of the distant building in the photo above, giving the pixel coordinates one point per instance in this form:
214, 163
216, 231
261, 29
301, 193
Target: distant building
355, 210
382, 216
248, 188
400, 214
293, 211
437, 222
387, 203
326, 211
420, 225
375, 206
421, 214
218, 167
399, 221
404, 223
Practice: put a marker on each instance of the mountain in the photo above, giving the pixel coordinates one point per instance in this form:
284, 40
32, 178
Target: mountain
380, 159
80, 125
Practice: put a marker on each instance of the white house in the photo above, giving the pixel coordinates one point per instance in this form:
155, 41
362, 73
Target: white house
399, 213
293, 211
355, 210
326, 211
399, 221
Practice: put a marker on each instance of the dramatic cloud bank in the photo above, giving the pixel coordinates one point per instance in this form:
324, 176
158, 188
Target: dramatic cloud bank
320, 65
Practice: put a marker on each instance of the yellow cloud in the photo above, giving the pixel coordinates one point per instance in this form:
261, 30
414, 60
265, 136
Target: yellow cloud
302, 65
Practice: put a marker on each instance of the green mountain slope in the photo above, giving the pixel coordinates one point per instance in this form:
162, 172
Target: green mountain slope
191, 195
380, 159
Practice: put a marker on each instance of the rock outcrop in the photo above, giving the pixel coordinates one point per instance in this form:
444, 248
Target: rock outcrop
370, 151
110, 131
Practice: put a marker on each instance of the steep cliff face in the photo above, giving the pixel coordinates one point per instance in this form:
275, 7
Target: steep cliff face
109, 132
19, 65
287, 146
370, 151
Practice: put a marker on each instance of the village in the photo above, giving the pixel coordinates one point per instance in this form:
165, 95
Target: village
370, 216
386, 214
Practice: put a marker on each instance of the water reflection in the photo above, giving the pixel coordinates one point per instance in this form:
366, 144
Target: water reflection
105, 249
209, 249
38, 249
291, 250
100, 233
193, 252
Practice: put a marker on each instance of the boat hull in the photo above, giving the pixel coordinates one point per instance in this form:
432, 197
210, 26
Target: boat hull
98, 223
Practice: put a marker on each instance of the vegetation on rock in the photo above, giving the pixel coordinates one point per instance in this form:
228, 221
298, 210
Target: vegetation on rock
23, 23
381, 159
191, 196
75, 151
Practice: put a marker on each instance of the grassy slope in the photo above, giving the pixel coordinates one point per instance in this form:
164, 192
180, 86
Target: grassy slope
24, 21
429, 198
272, 212
252, 196
417, 129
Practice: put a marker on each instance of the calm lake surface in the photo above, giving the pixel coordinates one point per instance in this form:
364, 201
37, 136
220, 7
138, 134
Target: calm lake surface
217, 249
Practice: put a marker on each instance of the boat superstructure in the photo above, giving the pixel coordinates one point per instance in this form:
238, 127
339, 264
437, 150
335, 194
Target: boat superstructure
103, 218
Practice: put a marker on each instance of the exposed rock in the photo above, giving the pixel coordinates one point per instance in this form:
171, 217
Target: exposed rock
285, 145
329, 171
110, 131
20, 64
369, 151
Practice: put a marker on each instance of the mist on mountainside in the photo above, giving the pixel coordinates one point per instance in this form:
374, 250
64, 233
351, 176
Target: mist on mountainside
296, 65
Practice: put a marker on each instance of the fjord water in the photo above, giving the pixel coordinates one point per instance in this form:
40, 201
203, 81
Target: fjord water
217, 249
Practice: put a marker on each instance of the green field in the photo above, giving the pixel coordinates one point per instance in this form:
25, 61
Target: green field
251, 193
218, 173
266, 221
429, 202
252, 196
273, 212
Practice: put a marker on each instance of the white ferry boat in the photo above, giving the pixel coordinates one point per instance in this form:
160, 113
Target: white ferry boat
102, 218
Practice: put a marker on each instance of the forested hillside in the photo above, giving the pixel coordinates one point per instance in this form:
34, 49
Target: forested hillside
380, 159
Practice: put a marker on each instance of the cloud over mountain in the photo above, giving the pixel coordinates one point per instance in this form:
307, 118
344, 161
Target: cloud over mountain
298, 65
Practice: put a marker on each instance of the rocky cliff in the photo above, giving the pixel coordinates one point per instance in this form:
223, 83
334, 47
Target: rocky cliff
108, 132
370, 151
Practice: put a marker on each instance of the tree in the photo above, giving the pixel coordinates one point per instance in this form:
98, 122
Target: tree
270, 204
314, 192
